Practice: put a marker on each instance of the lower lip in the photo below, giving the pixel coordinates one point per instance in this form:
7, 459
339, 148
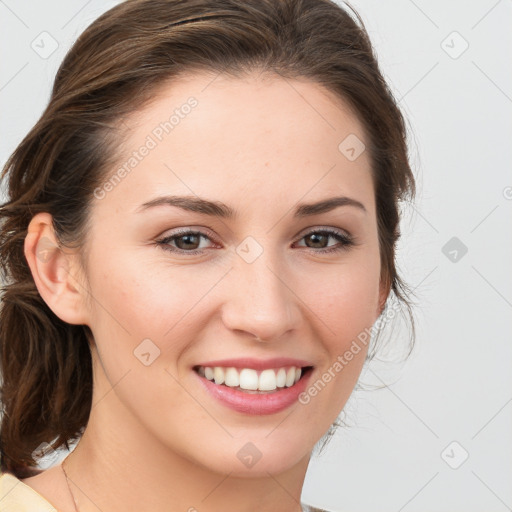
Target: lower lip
255, 403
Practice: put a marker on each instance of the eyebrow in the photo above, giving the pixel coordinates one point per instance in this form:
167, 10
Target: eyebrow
219, 209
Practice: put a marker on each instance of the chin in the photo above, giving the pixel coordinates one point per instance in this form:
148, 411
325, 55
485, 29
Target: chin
258, 455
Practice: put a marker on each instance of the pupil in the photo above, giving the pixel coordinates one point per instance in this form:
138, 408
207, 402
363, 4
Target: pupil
316, 236
187, 240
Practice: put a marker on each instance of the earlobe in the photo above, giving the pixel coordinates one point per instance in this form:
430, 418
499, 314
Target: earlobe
52, 270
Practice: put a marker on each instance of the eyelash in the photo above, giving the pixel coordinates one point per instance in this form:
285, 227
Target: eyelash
346, 241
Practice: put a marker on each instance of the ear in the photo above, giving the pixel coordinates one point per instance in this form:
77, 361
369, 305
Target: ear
54, 269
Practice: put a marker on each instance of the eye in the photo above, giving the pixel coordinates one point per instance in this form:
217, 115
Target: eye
320, 237
185, 241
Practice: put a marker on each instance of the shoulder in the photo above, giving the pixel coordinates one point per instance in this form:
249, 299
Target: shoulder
16, 496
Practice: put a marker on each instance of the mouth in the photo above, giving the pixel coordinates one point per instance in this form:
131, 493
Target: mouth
254, 381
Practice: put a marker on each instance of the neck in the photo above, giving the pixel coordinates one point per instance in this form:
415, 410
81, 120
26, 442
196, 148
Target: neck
119, 465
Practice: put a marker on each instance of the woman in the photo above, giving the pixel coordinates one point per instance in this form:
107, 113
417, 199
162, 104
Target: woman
199, 232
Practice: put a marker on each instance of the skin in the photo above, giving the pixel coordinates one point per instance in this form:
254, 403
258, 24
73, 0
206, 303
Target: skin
155, 437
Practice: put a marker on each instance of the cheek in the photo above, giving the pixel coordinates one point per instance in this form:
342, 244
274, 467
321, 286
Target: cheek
346, 299
143, 321
138, 297
345, 308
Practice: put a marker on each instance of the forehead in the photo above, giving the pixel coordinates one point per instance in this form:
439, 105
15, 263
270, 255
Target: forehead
260, 138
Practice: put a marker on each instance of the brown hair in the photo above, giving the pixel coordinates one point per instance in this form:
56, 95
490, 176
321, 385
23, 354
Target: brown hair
113, 69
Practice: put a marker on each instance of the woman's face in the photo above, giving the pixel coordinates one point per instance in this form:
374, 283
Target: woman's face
272, 285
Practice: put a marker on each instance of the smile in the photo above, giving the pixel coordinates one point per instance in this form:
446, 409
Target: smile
255, 387
250, 380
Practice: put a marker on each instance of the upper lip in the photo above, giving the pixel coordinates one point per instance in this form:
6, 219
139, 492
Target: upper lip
257, 364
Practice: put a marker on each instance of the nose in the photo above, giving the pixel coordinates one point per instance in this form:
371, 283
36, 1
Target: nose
260, 299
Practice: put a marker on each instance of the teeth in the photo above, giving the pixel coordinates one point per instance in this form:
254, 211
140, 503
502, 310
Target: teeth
249, 379
290, 377
267, 380
218, 375
232, 378
281, 378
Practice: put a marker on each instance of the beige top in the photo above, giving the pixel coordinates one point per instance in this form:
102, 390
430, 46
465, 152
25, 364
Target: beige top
16, 496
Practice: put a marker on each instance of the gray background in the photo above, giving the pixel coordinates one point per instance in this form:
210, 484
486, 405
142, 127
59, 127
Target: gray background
439, 436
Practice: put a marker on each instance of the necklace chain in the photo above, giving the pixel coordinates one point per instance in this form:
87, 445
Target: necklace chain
69, 487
